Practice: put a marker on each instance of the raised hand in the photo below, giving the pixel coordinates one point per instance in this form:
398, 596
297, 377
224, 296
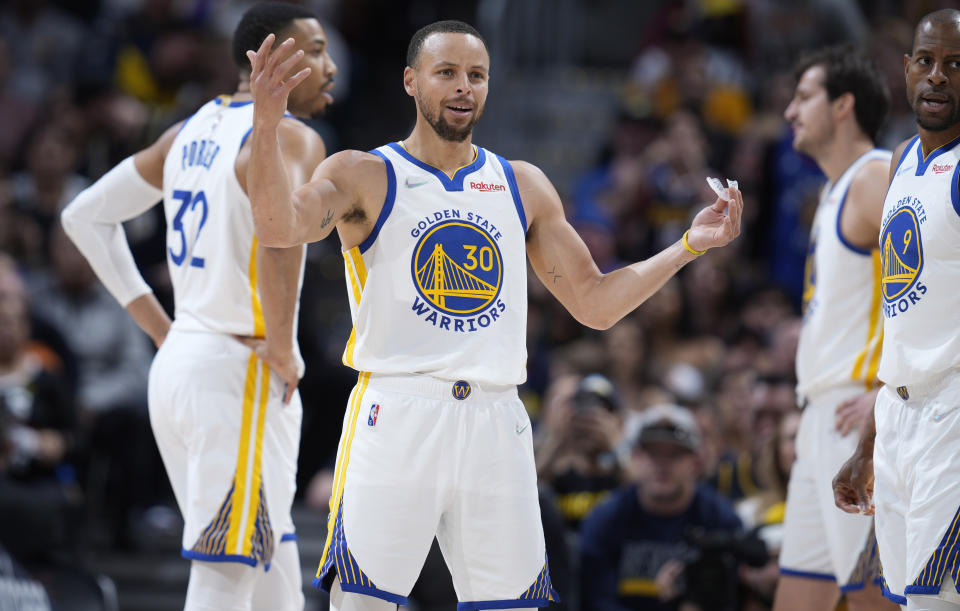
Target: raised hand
712, 228
270, 84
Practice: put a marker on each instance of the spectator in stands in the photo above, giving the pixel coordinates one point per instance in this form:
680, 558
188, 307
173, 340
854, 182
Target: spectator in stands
38, 401
119, 459
635, 546
764, 511
577, 456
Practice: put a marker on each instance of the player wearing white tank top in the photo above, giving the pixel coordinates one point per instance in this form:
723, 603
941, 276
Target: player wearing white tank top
228, 442
911, 461
840, 102
434, 230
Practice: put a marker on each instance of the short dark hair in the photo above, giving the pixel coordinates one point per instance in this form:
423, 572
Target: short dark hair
439, 27
847, 71
260, 20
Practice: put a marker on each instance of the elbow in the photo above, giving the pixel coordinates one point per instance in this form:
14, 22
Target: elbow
594, 317
277, 239
595, 312
70, 221
272, 241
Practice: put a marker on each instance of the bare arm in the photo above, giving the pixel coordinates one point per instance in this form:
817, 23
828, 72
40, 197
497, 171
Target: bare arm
278, 280
563, 263
860, 222
285, 213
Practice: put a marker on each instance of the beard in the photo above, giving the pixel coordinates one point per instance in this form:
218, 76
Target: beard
938, 124
444, 129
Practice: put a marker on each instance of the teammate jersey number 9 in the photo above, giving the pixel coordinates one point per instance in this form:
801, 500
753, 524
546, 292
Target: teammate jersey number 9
189, 201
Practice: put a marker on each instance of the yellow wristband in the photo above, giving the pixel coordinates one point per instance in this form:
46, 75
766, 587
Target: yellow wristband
688, 248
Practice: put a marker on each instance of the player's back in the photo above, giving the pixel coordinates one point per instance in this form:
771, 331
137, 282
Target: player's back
211, 246
842, 331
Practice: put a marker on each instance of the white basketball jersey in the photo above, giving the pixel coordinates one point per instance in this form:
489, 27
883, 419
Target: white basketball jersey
920, 250
842, 325
440, 285
211, 247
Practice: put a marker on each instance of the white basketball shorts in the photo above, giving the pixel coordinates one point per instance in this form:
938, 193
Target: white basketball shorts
421, 457
916, 462
821, 541
229, 446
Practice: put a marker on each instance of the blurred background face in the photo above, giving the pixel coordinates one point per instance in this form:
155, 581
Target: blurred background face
809, 113
667, 472
311, 97
451, 83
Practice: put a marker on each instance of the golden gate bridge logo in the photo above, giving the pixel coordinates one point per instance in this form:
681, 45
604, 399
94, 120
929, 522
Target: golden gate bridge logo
457, 267
902, 255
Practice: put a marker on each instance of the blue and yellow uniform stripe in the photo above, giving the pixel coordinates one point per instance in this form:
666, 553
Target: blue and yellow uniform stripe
867, 363
943, 561
241, 530
357, 279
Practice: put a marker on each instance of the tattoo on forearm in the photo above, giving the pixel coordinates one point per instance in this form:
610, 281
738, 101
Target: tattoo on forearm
327, 219
556, 276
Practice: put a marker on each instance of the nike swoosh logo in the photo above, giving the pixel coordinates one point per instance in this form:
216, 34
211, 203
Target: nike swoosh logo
412, 184
938, 416
522, 428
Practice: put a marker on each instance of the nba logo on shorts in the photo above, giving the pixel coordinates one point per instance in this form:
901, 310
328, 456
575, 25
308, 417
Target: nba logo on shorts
374, 412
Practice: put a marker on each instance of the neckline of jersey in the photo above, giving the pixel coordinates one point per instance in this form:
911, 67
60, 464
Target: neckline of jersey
923, 162
450, 183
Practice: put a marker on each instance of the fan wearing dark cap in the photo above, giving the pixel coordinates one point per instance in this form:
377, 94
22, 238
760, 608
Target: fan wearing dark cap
577, 458
637, 547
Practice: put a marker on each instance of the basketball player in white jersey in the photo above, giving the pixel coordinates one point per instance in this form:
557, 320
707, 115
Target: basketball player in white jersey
434, 233
839, 104
227, 440
914, 451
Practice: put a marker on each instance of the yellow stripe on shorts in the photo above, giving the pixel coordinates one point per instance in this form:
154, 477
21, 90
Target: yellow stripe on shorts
343, 459
247, 477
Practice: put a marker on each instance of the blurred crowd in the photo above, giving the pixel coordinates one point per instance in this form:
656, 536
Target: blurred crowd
663, 445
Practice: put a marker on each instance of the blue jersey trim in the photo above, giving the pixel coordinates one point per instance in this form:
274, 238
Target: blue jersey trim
191, 555
852, 587
843, 240
245, 136
233, 104
358, 589
288, 537
903, 155
923, 163
528, 603
922, 590
450, 184
807, 574
387, 202
185, 121
900, 600
955, 191
514, 190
